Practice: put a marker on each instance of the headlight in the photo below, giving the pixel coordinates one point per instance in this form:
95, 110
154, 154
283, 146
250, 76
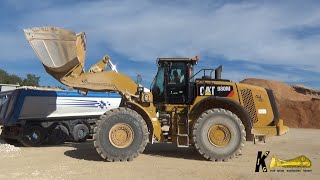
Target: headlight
146, 98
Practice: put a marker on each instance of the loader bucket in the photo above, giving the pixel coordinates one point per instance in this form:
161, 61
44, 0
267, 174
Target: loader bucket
62, 54
59, 50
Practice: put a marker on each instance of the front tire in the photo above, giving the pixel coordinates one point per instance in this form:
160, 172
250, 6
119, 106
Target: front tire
121, 135
218, 135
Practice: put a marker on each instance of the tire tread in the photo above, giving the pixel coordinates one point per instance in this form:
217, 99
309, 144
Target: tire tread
105, 117
196, 128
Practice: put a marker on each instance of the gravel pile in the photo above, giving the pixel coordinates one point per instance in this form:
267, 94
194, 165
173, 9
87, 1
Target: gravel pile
7, 148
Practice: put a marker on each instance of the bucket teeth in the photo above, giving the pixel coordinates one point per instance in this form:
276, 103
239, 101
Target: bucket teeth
57, 48
46, 28
41, 29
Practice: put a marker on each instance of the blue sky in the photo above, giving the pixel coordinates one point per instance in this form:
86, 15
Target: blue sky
251, 39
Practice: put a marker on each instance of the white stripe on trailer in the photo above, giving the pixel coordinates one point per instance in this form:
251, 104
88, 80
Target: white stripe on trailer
37, 107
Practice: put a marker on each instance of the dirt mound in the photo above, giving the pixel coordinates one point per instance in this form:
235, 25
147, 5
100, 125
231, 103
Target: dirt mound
315, 94
299, 106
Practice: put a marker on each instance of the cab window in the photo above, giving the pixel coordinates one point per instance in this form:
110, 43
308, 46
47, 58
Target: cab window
158, 86
177, 74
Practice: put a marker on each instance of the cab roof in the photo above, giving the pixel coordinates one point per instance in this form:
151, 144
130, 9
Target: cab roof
193, 60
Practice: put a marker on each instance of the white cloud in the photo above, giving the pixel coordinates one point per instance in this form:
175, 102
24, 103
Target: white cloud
145, 30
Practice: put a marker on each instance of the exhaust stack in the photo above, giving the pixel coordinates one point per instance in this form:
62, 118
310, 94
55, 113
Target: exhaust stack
217, 72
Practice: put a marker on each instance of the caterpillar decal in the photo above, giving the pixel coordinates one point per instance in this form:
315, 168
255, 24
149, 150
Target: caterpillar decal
216, 90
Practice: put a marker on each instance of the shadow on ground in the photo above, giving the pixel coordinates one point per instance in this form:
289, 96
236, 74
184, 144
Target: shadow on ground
171, 150
86, 151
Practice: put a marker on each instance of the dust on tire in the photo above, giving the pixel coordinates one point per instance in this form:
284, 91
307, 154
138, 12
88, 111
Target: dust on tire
211, 152
101, 132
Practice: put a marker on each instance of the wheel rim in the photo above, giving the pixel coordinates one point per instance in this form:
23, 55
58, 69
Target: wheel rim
219, 135
121, 135
81, 133
35, 136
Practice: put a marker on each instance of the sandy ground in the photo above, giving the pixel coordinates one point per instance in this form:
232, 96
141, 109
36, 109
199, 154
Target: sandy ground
160, 161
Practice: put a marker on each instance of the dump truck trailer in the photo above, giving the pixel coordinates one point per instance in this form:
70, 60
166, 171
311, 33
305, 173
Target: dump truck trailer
34, 117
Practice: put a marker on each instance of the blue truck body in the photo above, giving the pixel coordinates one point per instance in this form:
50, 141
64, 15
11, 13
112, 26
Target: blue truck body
23, 109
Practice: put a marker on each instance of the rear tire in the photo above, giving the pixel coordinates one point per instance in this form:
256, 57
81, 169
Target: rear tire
11, 141
58, 135
33, 136
218, 135
121, 135
80, 133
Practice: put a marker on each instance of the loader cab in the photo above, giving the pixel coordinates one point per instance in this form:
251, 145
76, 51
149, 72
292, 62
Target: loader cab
172, 83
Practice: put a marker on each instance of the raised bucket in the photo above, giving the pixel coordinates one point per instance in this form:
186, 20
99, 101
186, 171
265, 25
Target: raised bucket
58, 49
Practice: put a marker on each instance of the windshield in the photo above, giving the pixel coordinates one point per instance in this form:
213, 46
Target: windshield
177, 73
158, 85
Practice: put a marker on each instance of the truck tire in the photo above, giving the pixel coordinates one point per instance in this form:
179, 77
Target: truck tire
58, 135
121, 135
32, 136
11, 141
80, 133
218, 135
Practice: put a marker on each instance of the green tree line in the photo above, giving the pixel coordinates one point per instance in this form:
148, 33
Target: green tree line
30, 80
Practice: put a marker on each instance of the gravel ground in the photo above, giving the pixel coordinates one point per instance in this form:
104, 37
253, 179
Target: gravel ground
7, 149
160, 161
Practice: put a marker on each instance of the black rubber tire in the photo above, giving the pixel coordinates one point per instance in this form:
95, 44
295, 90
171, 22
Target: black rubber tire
11, 141
101, 135
226, 118
58, 135
32, 136
77, 133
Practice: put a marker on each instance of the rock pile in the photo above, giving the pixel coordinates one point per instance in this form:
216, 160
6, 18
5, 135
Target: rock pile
7, 148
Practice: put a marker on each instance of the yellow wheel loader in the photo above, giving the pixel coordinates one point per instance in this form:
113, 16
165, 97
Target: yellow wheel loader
214, 115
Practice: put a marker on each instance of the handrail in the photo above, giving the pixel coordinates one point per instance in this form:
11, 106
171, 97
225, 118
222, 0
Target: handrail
204, 73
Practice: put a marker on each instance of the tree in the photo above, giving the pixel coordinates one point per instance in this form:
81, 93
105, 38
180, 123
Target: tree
6, 78
13, 79
3, 76
31, 80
